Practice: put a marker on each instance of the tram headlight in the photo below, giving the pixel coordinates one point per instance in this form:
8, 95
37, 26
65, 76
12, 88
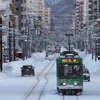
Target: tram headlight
76, 83
63, 83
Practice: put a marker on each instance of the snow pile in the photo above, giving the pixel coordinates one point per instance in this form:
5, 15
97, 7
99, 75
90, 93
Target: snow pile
39, 55
38, 61
14, 67
91, 64
2, 77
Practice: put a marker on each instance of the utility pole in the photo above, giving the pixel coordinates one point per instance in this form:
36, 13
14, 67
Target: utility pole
10, 43
14, 44
0, 44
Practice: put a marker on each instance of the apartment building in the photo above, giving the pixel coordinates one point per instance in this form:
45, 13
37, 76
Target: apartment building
40, 10
86, 13
9, 27
78, 16
21, 13
47, 17
90, 11
30, 6
8, 16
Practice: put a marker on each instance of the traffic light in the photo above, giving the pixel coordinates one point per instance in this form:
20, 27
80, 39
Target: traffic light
42, 40
25, 40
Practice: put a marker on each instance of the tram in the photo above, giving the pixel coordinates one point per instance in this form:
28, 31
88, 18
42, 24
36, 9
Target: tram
57, 49
69, 73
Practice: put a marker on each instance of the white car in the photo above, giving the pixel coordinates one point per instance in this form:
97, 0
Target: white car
86, 74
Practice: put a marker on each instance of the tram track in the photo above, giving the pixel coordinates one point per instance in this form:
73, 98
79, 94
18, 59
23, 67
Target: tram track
73, 97
46, 80
43, 73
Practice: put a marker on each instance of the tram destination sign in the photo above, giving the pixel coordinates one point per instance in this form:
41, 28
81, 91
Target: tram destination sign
69, 60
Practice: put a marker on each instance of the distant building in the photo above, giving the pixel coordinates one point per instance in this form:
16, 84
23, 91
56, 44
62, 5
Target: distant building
90, 11
47, 17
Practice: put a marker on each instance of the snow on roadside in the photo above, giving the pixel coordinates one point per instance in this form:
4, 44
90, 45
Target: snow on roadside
91, 64
37, 60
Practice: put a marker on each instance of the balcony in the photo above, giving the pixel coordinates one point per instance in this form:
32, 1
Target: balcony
22, 5
23, 20
23, 13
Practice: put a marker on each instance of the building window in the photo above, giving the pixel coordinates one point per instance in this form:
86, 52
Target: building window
22, 24
40, 3
90, 0
17, 0
17, 8
22, 16
95, 2
30, 2
90, 6
90, 12
95, 10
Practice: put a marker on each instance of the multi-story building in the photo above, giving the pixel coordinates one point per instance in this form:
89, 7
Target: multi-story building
86, 13
47, 17
19, 16
90, 11
84, 20
8, 27
40, 10
21, 12
79, 16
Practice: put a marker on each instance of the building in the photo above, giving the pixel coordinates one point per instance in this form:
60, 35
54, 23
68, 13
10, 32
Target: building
47, 17
90, 11
21, 13
78, 16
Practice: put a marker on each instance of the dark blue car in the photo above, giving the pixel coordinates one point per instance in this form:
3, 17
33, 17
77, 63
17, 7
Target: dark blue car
27, 70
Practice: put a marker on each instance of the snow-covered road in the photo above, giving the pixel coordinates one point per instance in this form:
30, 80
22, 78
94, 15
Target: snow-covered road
16, 87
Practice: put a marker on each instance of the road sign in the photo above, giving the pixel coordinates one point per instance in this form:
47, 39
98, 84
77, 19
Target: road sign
37, 22
45, 34
12, 47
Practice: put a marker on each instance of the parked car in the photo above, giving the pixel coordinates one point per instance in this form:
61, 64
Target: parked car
27, 70
86, 74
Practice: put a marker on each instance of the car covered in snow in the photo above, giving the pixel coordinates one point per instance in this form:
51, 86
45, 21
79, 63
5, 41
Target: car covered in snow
86, 74
27, 70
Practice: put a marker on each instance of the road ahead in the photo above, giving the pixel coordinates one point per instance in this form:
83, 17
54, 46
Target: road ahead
43, 86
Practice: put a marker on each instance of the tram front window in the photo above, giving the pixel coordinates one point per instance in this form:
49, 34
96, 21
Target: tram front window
70, 71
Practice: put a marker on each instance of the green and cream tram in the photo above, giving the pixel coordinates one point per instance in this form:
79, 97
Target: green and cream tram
69, 71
